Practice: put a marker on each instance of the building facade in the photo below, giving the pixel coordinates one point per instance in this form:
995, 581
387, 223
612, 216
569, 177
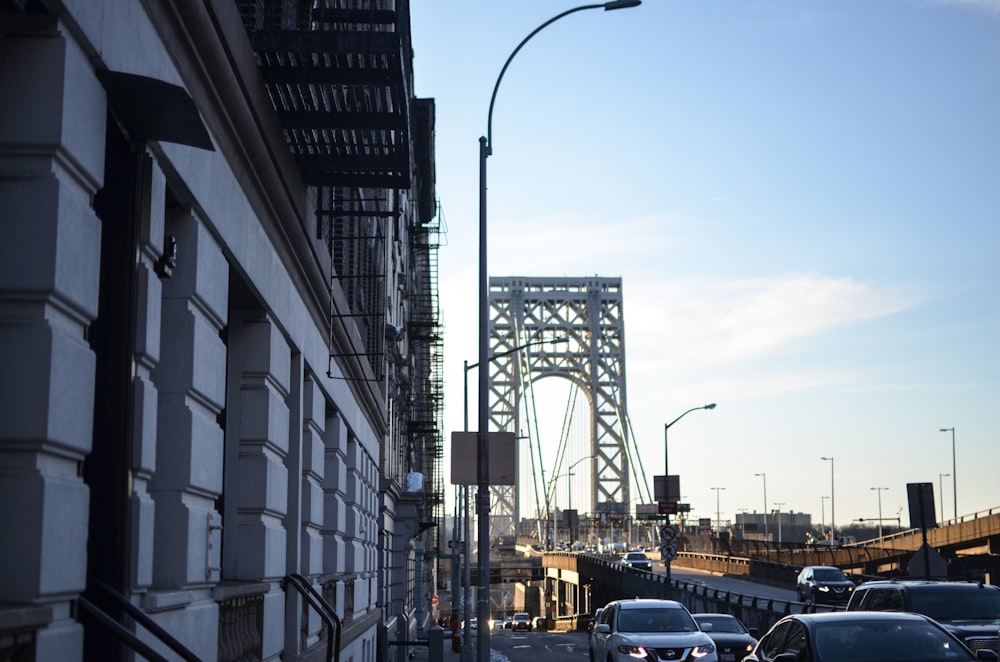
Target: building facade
220, 363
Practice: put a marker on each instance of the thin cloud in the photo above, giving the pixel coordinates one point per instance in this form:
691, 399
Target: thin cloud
739, 320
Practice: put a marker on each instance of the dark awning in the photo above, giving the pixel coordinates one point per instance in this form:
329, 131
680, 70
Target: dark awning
151, 109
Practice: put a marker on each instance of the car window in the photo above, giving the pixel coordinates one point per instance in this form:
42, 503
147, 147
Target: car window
885, 599
772, 642
797, 641
829, 575
858, 600
942, 604
655, 619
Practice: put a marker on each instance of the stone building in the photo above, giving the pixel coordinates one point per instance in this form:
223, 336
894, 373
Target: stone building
220, 362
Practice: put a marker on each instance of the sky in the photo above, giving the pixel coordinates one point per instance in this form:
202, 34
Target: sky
802, 200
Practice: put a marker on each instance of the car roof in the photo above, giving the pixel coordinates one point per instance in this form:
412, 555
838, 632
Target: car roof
853, 616
916, 583
636, 603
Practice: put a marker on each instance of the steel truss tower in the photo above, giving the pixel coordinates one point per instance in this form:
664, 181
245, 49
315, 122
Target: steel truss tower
587, 312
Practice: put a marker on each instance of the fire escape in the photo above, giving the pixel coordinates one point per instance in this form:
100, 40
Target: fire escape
339, 73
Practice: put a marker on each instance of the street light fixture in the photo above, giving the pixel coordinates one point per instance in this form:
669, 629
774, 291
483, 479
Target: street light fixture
666, 462
764, 476
718, 515
466, 366
879, 490
941, 492
482, 450
779, 504
954, 473
822, 514
833, 505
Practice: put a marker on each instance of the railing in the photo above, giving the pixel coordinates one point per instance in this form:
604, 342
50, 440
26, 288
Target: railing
241, 625
126, 636
322, 607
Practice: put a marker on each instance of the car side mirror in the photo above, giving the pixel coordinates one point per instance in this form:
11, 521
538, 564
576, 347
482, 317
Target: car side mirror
602, 628
706, 627
985, 654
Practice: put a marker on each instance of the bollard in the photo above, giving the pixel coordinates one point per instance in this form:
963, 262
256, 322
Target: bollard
435, 644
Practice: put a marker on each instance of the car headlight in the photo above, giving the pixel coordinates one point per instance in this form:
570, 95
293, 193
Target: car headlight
823, 589
633, 651
703, 650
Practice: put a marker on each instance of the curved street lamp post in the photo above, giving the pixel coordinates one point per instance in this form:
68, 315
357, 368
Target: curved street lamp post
482, 450
764, 476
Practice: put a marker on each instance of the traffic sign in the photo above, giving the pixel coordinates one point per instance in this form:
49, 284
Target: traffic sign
667, 508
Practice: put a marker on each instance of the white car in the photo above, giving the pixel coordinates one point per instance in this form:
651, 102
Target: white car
631, 630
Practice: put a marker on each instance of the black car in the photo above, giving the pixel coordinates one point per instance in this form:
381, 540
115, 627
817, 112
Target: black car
823, 584
733, 640
637, 560
861, 636
970, 610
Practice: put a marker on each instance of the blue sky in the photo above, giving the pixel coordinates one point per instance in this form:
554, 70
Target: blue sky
802, 200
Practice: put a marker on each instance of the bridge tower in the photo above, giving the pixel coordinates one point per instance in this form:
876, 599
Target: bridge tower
588, 313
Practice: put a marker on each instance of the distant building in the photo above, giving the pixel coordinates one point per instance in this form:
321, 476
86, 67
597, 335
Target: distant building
220, 360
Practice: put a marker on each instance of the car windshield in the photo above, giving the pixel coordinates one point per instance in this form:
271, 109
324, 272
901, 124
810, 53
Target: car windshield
912, 641
635, 556
655, 619
828, 575
946, 605
721, 624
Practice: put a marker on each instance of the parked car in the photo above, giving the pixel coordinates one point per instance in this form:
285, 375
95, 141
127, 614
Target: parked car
861, 637
969, 610
637, 560
522, 621
644, 628
823, 584
733, 640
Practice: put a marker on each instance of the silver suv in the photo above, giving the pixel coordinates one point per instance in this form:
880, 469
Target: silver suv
648, 629
969, 610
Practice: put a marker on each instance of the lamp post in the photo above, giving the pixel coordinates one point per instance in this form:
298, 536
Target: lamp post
880, 490
954, 473
833, 504
666, 461
482, 451
822, 514
466, 366
569, 490
778, 505
718, 515
941, 492
764, 476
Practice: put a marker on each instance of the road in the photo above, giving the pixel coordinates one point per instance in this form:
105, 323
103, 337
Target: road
509, 646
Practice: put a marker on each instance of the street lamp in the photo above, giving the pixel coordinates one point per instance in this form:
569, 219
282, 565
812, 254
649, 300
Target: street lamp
941, 492
833, 504
779, 504
483, 450
879, 490
764, 476
822, 514
718, 516
466, 366
666, 462
954, 473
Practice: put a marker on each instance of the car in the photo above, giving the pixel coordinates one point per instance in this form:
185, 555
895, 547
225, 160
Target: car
637, 560
590, 630
858, 636
969, 610
648, 628
540, 623
522, 621
472, 623
823, 584
508, 623
733, 640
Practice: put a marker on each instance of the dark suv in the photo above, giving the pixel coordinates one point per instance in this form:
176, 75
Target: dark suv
971, 611
823, 584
